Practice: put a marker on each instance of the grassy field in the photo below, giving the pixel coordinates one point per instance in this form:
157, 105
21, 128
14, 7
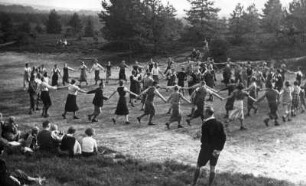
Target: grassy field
155, 156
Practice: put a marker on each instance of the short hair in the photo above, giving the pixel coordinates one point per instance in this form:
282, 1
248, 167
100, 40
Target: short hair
45, 74
26, 64
148, 73
71, 130
73, 81
34, 130
296, 83
46, 124
89, 131
12, 119
209, 110
54, 127
120, 82
240, 86
176, 87
287, 84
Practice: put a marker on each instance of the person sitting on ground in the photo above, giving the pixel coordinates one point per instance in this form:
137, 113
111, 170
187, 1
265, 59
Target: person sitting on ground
3, 141
10, 130
70, 144
31, 139
89, 144
16, 178
45, 141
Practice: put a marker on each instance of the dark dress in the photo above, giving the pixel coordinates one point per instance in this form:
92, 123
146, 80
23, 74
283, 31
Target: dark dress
55, 77
71, 104
134, 87
65, 75
149, 105
122, 72
122, 108
181, 76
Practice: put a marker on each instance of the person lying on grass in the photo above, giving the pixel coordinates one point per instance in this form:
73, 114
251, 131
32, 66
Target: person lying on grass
17, 177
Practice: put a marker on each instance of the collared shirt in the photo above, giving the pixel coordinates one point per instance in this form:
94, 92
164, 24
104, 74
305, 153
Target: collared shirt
210, 118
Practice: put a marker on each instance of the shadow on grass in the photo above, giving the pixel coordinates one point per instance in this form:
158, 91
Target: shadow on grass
99, 171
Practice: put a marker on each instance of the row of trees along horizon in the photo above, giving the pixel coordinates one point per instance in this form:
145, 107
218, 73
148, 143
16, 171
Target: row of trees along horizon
150, 25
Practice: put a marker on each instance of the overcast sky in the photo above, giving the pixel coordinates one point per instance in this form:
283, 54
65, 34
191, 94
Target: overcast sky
226, 6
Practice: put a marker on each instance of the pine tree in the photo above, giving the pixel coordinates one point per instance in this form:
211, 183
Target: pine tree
76, 24
53, 23
236, 23
89, 28
202, 16
296, 18
251, 19
273, 16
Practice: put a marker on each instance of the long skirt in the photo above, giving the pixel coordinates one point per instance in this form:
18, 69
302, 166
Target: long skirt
149, 108
237, 112
83, 76
45, 97
122, 75
71, 105
97, 75
54, 80
122, 108
176, 114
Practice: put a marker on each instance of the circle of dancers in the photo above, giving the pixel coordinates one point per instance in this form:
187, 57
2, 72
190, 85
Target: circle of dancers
194, 78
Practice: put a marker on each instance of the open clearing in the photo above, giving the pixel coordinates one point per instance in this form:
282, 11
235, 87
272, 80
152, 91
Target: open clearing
275, 152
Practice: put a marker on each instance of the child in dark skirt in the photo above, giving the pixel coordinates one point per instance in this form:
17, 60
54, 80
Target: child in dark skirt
97, 102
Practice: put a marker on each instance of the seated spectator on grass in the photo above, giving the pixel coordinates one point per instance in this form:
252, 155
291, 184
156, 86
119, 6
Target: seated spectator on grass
31, 139
16, 178
70, 144
3, 141
10, 130
56, 134
89, 145
45, 140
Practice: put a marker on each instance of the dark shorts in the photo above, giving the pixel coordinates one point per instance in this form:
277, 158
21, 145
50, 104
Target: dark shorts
273, 111
205, 155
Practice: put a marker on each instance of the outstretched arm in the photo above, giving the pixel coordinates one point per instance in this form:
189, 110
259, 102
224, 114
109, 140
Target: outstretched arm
217, 95
185, 99
112, 94
159, 95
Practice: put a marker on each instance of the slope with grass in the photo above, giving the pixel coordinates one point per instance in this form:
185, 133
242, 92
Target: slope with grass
259, 156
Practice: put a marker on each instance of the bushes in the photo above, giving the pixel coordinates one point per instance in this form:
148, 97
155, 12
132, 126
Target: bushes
218, 49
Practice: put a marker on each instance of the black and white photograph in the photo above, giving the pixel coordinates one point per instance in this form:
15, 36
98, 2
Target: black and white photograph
153, 92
